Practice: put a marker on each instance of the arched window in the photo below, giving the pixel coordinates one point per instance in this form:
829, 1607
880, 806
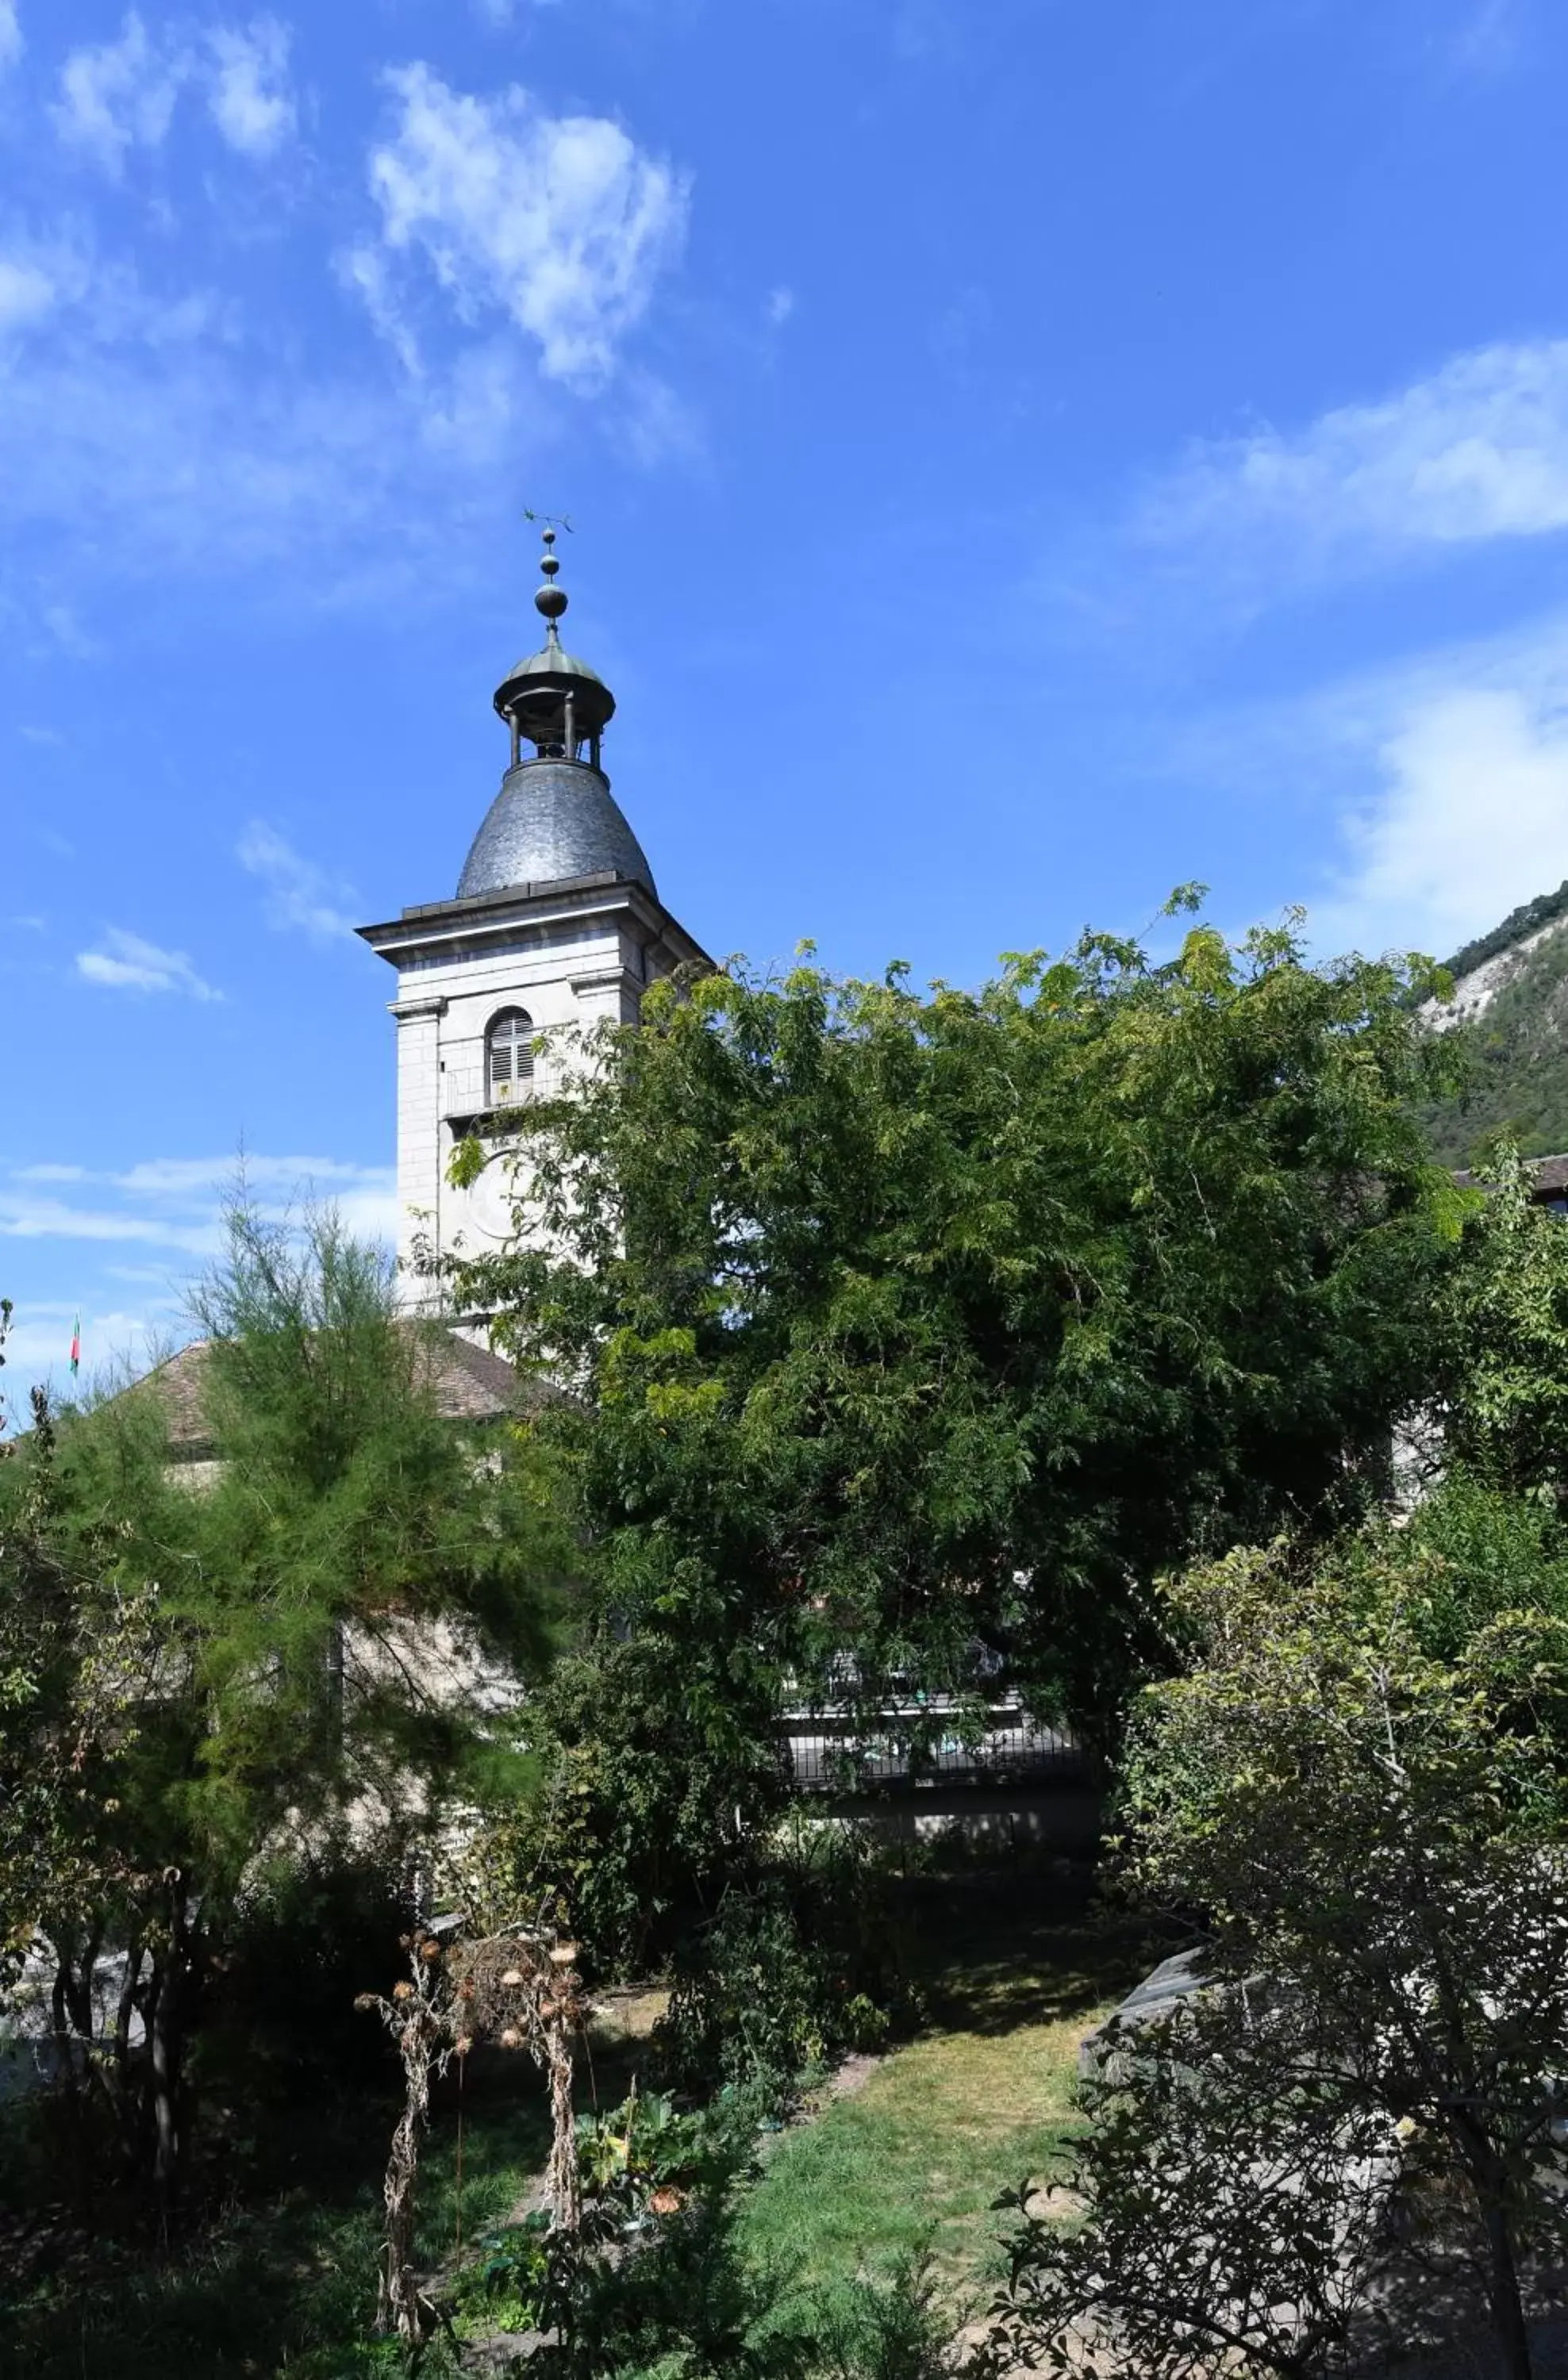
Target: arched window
508, 1055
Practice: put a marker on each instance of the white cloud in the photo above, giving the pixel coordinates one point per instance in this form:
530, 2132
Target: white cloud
1472, 818
499, 14
120, 95
126, 963
298, 895
69, 632
24, 1217
147, 414
1487, 41
1477, 452
250, 96
11, 44
1450, 780
208, 1178
112, 1341
25, 293
561, 224
779, 306
170, 1204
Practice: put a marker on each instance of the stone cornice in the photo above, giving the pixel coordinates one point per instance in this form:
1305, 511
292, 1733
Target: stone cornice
457, 929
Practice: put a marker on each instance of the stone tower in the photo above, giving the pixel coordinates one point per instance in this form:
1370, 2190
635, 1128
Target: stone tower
557, 922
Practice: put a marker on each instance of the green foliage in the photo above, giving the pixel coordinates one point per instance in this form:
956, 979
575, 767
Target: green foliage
1530, 915
796, 1967
1516, 1053
70, 1673
1503, 1374
647, 2145
1221, 2209
902, 1322
507, 2286
1360, 1785
896, 2326
634, 1822
227, 1672
682, 2303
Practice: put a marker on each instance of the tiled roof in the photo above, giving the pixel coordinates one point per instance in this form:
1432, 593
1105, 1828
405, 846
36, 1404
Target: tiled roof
1551, 1175
470, 1384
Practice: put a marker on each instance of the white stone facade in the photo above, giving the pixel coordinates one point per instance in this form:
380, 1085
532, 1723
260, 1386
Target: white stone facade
569, 953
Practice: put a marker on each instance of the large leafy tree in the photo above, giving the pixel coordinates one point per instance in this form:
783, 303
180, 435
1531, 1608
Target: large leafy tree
299, 1640
1357, 1786
1500, 1386
900, 1320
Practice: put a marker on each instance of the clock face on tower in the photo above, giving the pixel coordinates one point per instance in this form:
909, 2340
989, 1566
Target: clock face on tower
487, 1224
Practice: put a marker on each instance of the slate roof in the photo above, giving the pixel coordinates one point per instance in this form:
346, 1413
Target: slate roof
553, 820
470, 1384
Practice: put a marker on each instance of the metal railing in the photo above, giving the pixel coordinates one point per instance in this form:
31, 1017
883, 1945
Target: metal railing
827, 1749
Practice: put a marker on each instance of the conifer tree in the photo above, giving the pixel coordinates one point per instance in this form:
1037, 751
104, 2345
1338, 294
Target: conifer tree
292, 1634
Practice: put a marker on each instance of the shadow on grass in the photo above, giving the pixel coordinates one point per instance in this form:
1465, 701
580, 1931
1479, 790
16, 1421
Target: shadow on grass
279, 2273
995, 1953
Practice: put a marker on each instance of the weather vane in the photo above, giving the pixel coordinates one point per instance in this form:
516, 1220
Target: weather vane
550, 520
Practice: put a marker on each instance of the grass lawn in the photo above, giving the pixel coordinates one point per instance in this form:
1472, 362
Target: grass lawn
283, 2281
981, 2100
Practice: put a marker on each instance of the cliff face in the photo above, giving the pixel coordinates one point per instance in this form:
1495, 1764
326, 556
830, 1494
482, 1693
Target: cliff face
1511, 998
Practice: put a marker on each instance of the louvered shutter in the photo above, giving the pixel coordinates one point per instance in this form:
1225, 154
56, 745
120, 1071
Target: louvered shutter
509, 1052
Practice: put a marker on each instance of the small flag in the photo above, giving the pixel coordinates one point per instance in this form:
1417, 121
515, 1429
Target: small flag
75, 1347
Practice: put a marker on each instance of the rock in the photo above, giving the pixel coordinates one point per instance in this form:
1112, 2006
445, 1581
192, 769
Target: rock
1174, 1980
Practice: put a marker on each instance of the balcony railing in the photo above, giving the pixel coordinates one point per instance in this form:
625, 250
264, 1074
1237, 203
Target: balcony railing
826, 1749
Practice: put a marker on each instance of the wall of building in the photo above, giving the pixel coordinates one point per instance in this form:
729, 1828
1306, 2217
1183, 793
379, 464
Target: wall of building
570, 977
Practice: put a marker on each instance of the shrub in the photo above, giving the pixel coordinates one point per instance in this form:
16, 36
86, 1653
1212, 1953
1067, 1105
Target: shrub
795, 1969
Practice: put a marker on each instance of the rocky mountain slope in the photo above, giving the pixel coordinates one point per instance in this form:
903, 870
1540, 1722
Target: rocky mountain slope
1511, 998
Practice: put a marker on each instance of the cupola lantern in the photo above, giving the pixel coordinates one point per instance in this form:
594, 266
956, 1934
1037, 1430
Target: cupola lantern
552, 701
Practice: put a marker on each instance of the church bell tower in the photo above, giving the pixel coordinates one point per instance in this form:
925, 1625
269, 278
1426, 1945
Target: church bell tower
557, 922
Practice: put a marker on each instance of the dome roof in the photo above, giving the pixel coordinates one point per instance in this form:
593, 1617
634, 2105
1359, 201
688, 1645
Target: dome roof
535, 692
553, 660
551, 819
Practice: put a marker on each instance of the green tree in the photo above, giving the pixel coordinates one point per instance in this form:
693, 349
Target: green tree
1358, 1786
900, 1322
304, 1612
1500, 1382
62, 1699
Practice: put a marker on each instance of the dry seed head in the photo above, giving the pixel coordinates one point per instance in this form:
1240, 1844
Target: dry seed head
402, 1991
512, 1978
511, 2038
564, 1954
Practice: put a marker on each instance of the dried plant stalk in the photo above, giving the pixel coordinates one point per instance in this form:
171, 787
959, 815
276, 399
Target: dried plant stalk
515, 1990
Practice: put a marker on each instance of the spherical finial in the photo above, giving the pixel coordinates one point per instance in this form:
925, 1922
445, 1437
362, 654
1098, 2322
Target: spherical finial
550, 599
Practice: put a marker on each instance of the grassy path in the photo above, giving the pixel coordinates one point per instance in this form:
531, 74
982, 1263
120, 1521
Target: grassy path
981, 2100
917, 2159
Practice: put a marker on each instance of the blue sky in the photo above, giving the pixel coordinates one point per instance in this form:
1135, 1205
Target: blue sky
1022, 456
